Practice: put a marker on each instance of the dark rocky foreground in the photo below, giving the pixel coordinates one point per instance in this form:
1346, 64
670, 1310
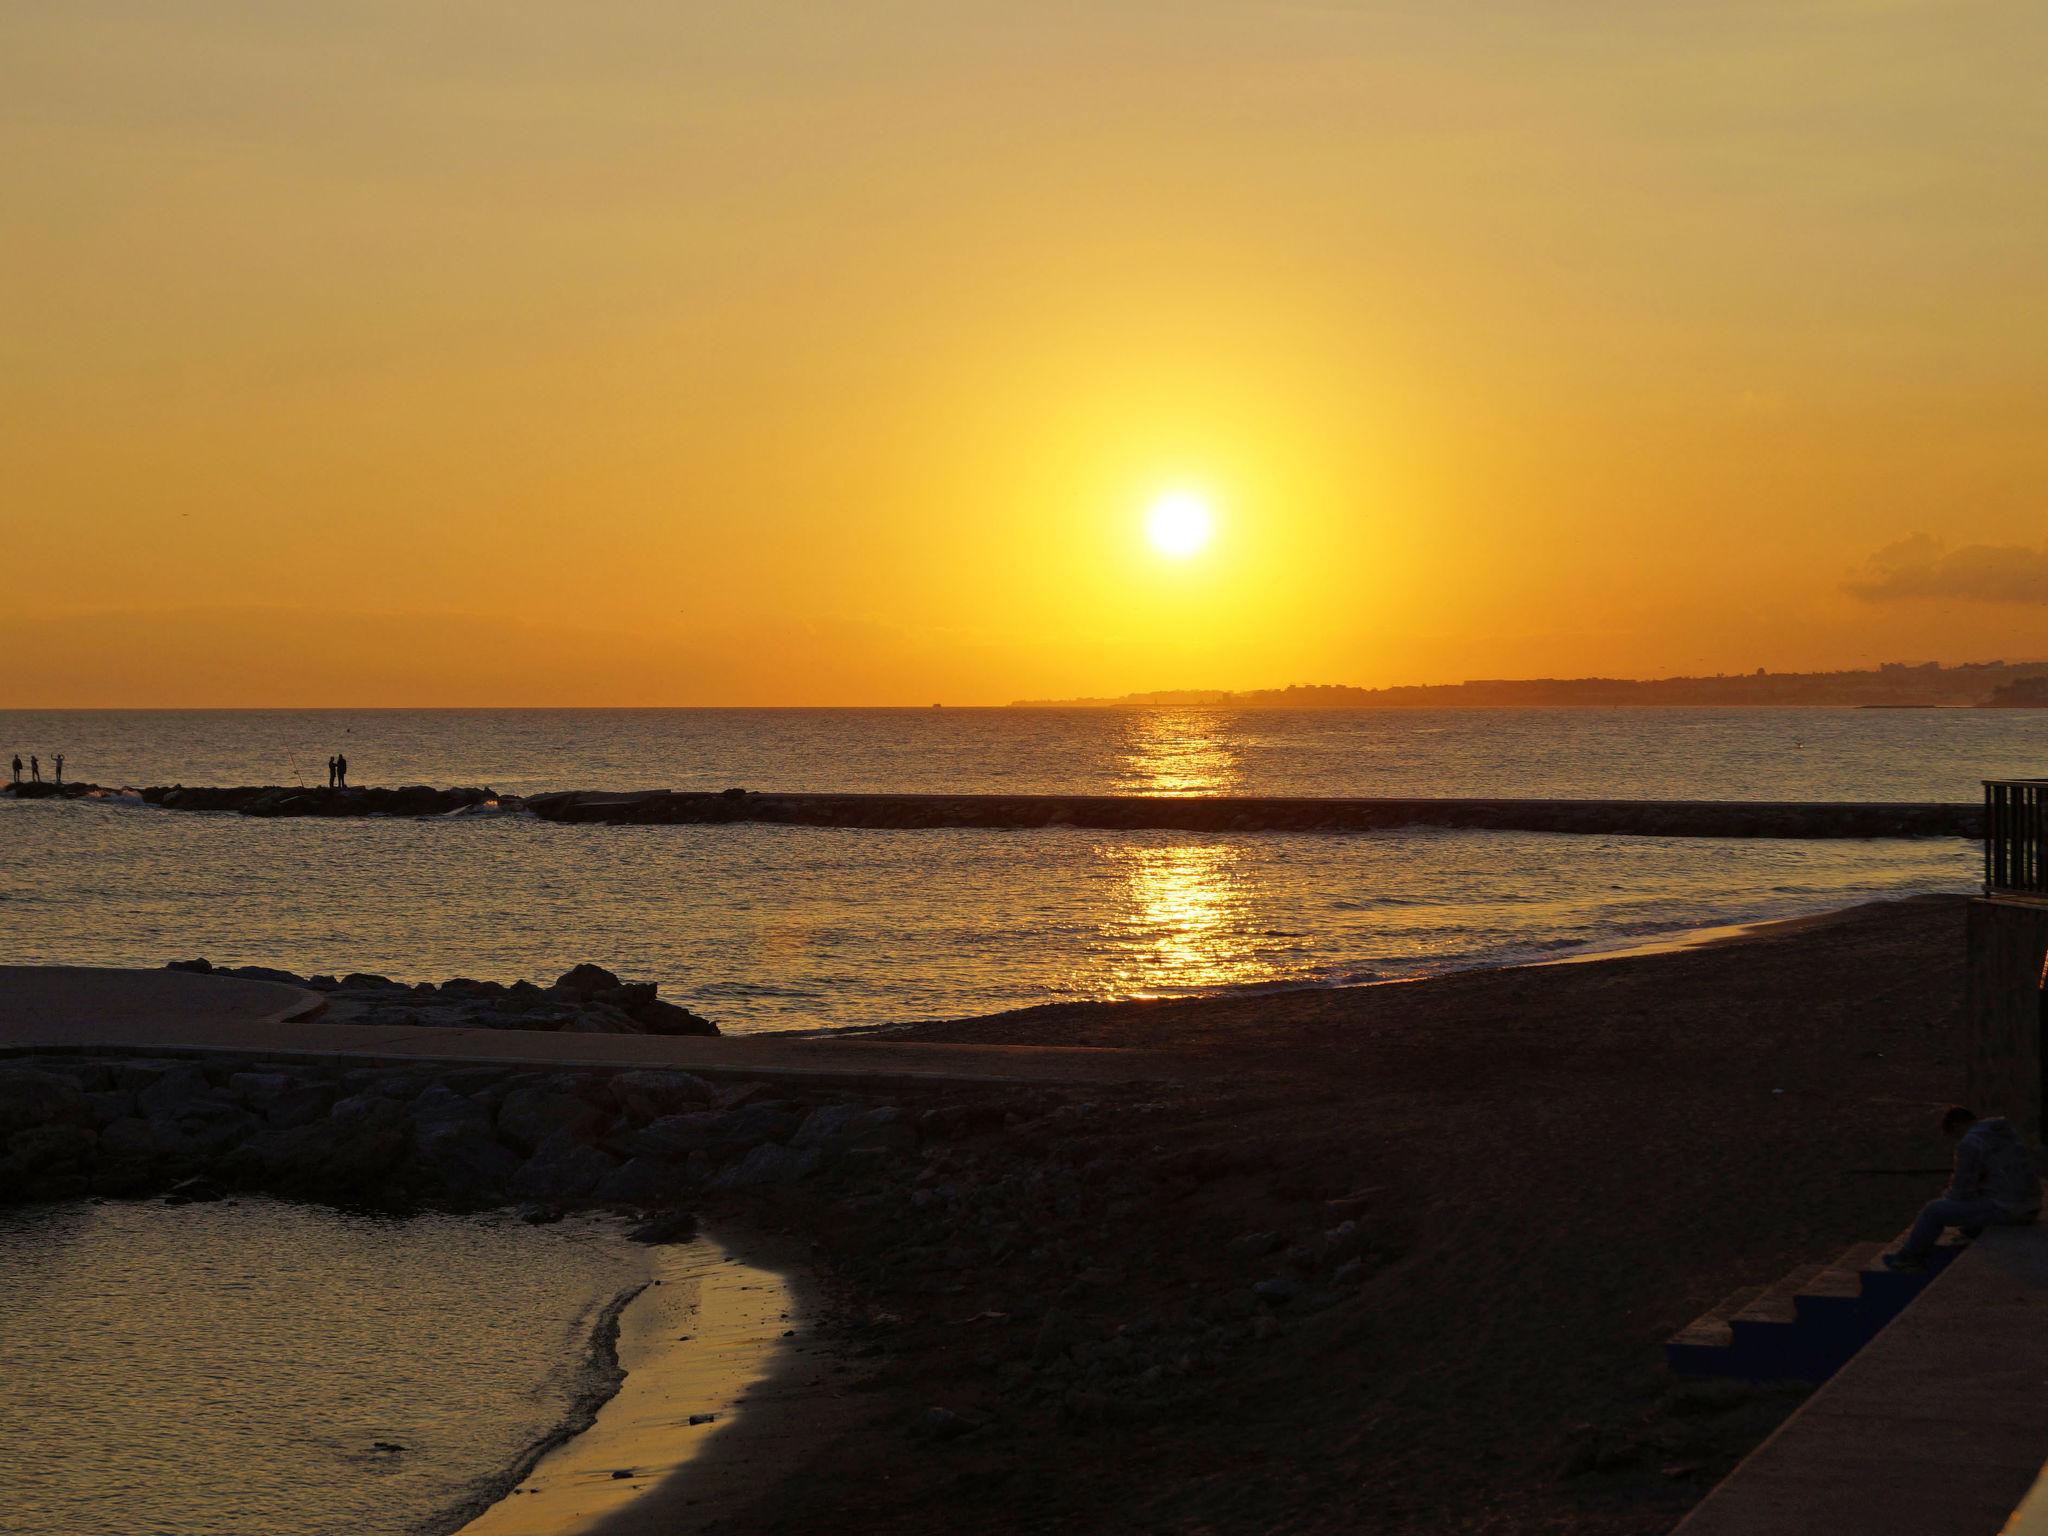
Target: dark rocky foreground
1394, 1260
587, 999
1203, 813
411, 1135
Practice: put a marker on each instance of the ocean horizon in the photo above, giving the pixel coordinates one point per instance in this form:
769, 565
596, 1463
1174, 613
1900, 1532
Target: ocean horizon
768, 927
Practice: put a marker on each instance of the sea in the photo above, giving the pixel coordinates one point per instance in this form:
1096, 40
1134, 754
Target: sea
244, 1368
794, 928
255, 1368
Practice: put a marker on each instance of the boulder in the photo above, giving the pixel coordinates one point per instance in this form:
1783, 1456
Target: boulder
264, 973
769, 1164
650, 1095
300, 1105
259, 1090
586, 980
601, 1018
114, 1104
562, 1169
454, 1146
183, 1085
54, 1148
645, 1181
835, 1129
714, 1131
529, 1116
674, 1227
667, 1019
199, 967
29, 1097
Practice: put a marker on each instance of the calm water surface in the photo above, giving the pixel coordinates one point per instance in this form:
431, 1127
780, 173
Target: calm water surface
227, 1370
783, 927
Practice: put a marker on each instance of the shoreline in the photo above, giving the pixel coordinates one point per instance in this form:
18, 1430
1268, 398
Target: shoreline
689, 1345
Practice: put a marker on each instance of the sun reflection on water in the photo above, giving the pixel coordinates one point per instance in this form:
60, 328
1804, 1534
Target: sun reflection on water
1186, 920
1178, 752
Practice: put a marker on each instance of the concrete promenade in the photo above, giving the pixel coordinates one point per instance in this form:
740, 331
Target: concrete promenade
75, 1008
1938, 1427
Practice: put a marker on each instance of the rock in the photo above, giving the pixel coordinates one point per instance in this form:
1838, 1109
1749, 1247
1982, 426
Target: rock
599, 1018
714, 1131
529, 1116
660, 1018
836, 1129
703, 1418
645, 1181
137, 1075
127, 1140
1256, 1245
175, 1091
649, 1095
1057, 1334
194, 1191
769, 1164
364, 981
199, 967
264, 973
675, 1227
109, 1106
29, 1097
1277, 1291
300, 1105
213, 1126
585, 980
453, 1144
47, 1149
259, 1090
945, 1424
366, 1112
563, 1168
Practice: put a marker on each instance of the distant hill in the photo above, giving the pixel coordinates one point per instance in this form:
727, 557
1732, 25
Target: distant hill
1894, 685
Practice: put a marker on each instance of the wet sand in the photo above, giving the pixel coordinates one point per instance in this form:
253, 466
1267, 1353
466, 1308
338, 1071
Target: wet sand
692, 1344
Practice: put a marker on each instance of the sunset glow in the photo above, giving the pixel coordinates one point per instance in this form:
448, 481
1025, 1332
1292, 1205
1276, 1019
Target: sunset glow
665, 354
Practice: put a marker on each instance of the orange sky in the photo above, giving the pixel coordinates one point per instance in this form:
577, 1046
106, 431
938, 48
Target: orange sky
399, 352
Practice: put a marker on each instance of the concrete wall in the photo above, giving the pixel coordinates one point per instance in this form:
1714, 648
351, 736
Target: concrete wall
2008, 942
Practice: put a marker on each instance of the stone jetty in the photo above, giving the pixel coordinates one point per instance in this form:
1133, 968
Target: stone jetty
586, 999
1122, 813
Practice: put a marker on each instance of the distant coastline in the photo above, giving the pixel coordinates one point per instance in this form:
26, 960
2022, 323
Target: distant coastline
1895, 684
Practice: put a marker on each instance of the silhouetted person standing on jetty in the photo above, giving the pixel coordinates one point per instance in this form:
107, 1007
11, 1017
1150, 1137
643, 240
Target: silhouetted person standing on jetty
1995, 1185
17, 767
60, 770
330, 773
340, 771
35, 769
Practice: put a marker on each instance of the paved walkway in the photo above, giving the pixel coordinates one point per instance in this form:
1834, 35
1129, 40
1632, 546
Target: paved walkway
1940, 1423
69, 1008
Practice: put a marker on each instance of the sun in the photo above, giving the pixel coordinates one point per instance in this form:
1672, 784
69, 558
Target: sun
1179, 524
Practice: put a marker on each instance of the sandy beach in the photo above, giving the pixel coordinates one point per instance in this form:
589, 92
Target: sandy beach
1550, 1169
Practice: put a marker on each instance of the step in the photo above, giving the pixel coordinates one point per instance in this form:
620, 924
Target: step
1889, 1290
1768, 1343
1701, 1347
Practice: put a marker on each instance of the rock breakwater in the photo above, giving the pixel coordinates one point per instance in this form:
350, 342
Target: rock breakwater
586, 999
1191, 813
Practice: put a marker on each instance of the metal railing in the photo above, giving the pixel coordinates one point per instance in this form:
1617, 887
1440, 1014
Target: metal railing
2016, 836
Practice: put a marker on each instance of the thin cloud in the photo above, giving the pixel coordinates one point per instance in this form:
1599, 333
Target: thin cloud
1923, 567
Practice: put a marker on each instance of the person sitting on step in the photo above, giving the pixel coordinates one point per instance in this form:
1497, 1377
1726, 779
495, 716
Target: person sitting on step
1995, 1183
